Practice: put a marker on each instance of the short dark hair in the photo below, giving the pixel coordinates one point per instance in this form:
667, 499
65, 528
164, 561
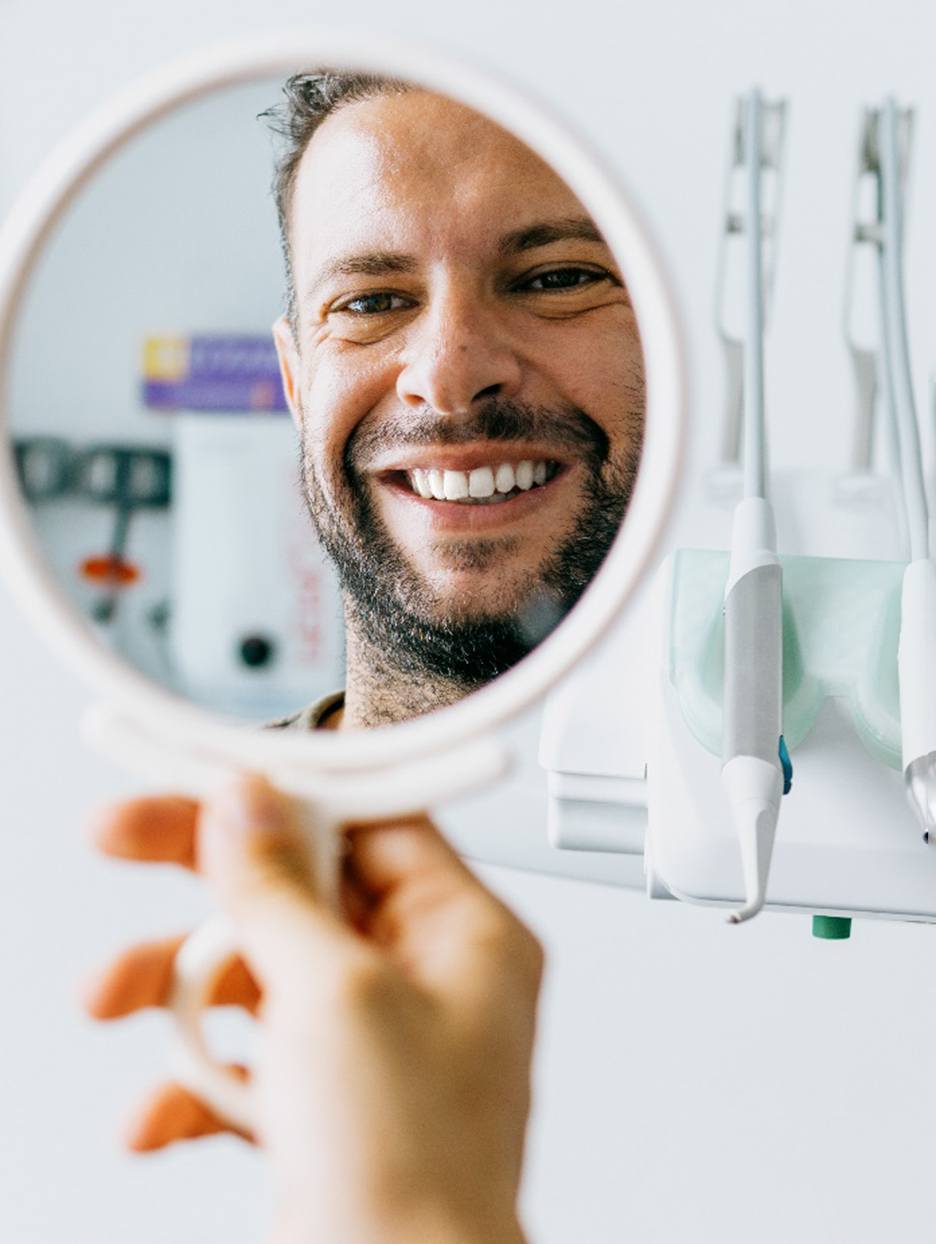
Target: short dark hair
311, 98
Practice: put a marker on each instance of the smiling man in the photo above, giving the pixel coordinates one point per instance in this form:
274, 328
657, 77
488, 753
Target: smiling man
463, 364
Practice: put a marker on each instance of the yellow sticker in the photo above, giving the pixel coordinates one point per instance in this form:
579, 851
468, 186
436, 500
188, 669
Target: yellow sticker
165, 358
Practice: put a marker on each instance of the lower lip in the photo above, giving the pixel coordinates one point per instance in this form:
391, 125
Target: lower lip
459, 516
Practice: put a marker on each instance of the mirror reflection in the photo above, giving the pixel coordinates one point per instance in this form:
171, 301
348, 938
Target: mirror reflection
395, 495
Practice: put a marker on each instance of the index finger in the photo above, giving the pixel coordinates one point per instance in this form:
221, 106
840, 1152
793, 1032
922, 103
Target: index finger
158, 828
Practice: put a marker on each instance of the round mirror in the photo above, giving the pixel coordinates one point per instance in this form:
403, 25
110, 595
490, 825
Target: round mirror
333, 397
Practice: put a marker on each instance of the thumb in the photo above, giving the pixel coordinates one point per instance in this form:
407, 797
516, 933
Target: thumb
252, 850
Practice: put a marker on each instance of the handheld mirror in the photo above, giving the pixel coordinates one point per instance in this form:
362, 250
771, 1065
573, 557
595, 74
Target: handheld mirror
328, 480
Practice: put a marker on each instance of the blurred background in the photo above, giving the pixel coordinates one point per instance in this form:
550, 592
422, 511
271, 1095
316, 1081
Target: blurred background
157, 454
693, 1080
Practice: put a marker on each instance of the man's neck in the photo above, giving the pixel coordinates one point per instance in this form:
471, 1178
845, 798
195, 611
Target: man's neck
379, 693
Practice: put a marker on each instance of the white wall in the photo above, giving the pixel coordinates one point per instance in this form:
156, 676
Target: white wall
691, 1076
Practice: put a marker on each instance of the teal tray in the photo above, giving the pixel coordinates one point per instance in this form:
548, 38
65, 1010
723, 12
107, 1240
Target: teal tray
840, 632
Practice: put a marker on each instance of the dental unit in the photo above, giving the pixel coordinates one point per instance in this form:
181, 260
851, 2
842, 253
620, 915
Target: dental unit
823, 652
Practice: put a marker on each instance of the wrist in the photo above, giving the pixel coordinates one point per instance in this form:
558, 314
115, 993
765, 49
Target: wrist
444, 1228
427, 1223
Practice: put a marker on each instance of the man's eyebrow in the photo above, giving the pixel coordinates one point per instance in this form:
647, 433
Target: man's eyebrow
371, 263
545, 231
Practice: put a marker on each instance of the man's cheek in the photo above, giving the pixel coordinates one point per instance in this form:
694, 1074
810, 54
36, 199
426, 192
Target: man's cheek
332, 403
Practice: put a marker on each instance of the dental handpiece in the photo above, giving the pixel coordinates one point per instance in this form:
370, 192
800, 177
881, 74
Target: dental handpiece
752, 772
916, 667
753, 695
916, 657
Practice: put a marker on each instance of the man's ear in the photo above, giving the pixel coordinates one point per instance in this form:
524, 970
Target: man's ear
288, 357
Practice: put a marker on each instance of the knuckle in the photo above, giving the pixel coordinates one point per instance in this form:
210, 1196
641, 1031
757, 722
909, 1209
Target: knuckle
535, 953
515, 936
528, 954
521, 949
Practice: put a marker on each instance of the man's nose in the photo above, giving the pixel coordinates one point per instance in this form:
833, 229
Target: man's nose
458, 355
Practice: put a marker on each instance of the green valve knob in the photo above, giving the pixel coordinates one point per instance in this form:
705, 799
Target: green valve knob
832, 928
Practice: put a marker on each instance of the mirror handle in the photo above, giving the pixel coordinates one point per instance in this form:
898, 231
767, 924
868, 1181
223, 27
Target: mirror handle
198, 963
203, 957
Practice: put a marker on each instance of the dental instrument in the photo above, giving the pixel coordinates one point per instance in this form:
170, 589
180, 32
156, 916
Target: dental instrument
732, 254
861, 321
752, 770
916, 654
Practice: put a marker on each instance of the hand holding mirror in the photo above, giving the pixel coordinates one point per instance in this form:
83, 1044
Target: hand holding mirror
414, 506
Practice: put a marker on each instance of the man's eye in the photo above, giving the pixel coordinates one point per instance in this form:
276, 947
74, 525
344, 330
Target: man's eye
562, 278
374, 304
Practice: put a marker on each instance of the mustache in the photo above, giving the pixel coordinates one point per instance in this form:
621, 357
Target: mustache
566, 427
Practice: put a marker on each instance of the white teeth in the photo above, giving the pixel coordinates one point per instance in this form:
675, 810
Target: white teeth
481, 482
420, 480
456, 485
504, 479
484, 483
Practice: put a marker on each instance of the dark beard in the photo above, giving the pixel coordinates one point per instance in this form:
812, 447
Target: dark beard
396, 612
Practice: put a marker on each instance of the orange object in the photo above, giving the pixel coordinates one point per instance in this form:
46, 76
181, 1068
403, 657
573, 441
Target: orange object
109, 570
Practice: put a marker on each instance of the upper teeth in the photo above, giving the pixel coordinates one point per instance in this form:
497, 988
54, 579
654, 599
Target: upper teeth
483, 481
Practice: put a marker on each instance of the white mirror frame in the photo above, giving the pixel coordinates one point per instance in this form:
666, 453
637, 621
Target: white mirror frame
78, 159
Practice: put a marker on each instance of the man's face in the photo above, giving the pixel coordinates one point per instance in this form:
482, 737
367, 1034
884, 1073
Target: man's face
466, 375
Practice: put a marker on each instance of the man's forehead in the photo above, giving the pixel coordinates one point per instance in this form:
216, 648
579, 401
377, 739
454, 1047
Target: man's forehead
417, 172
391, 136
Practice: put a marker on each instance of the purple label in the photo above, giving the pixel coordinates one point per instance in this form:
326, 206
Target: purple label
230, 373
